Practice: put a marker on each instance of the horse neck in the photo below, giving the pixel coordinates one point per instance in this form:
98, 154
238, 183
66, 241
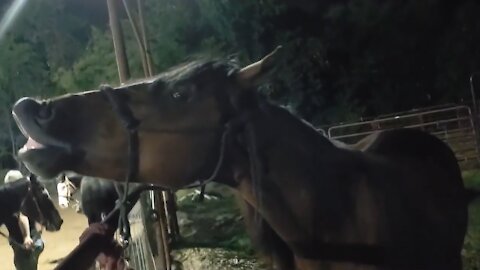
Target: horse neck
19, 190
30, 209
288, 154
278, 130
20, 187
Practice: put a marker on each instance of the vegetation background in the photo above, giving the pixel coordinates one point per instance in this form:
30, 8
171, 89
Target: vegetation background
342, 60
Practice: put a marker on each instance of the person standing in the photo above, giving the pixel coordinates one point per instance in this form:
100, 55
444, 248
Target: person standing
24, 234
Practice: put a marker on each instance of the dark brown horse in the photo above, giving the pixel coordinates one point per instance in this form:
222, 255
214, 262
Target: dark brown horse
27, 195
395, 201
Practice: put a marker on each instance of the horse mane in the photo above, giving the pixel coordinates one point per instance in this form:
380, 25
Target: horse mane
195, 68
297, 124
189, 69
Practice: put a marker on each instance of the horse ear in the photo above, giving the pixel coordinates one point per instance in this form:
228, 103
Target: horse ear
254, 73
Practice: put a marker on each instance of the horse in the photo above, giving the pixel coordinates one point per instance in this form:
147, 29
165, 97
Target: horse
395, 202
29, 196
67, 191
97, 196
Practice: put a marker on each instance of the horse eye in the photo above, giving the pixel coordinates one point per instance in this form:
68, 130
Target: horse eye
176, 95
182, 95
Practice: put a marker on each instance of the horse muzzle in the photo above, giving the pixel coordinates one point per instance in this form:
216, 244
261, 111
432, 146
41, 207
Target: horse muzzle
54, 226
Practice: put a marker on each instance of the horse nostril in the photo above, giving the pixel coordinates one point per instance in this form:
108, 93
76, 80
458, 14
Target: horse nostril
45, 113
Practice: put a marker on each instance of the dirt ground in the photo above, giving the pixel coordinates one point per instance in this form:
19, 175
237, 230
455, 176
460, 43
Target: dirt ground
57, 244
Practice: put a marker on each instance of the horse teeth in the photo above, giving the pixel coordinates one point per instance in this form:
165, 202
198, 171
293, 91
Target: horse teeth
32, 144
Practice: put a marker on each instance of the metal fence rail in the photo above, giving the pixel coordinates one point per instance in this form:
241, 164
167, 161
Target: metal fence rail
452, 124
139, 252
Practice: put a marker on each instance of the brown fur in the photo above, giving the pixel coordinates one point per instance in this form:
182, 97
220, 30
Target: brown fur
394, 201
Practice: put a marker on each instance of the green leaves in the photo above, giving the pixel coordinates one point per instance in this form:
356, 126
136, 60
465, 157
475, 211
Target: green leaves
23, 72
95, 66
342, 61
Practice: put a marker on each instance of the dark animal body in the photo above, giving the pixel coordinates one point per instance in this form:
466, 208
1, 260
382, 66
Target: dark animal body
97, 196
30, 198
11, 198
394, 201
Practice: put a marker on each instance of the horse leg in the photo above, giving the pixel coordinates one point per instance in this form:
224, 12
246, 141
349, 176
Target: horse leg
271, 246
78, 207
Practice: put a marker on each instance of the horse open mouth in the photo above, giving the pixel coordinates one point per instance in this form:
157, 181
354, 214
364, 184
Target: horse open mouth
42, 154
31, 144
37, 140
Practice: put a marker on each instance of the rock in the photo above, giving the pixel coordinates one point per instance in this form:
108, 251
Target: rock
214, 259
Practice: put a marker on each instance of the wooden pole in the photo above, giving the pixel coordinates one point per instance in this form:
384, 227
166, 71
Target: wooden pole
144, 35
475, 118
118, 42
163, 240
140, 40
162, 233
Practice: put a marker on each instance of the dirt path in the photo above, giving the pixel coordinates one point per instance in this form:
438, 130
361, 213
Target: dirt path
57, 244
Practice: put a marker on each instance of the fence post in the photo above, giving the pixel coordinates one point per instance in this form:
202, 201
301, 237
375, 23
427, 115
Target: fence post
475, 113
118, 43
162, 241
163, 246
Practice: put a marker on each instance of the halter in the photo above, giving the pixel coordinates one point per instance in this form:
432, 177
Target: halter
71, 189
34, 199
131, 125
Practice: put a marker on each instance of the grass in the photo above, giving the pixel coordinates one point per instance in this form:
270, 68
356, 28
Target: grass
471, 249
213, 234
215, 222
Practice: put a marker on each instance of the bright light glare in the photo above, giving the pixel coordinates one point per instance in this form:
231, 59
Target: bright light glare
10, 16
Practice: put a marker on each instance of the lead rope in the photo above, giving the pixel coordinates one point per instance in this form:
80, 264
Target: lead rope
131, 125
12, 241
34, 199
218, 166
124, 224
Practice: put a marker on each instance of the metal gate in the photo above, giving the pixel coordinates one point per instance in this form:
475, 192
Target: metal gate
453, 124
139, 253
146, 250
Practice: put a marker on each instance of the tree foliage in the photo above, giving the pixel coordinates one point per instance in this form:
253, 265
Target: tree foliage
341, 59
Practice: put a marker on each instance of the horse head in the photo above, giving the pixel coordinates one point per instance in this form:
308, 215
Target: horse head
182, 116
40, 207
65, 190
